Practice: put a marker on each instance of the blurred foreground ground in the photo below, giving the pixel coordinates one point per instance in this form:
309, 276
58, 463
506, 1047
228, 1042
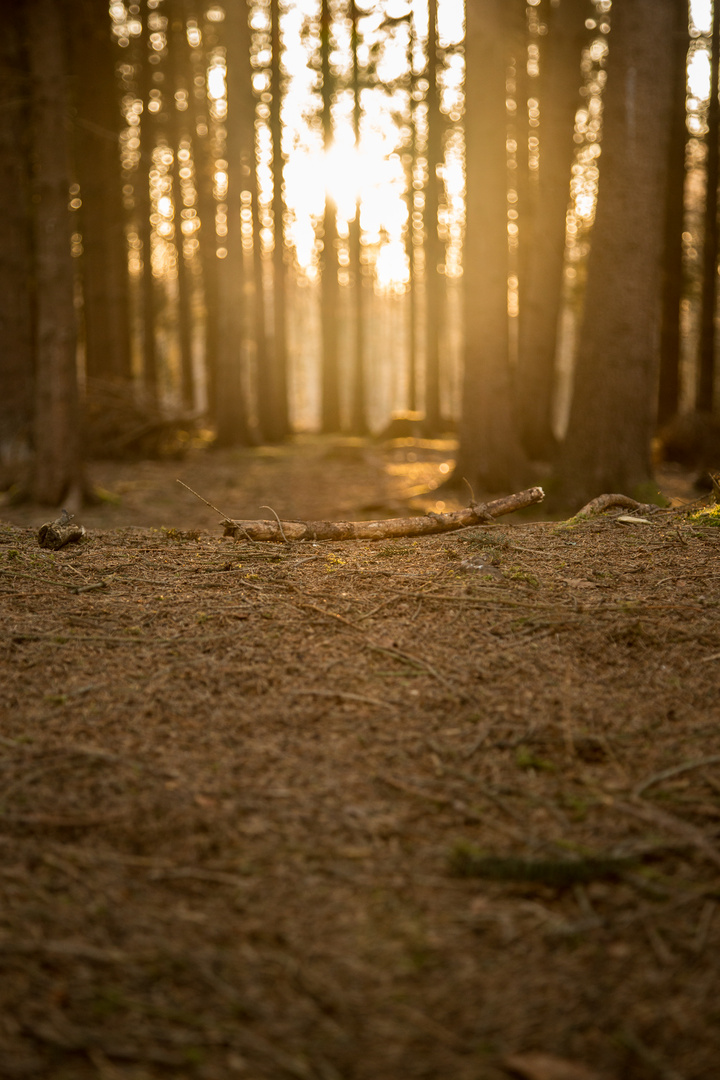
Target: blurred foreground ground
439, 808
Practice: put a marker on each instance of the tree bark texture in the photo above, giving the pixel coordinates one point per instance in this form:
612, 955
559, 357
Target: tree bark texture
542, 238
104, 264
672, 291
231, 412
16, 272
607, 447
490, 456
57, 446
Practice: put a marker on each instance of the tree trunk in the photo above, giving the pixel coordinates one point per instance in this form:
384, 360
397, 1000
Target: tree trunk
231, 413
358, 390
329, 295
434, 248
612, 416
669, 380
543, 243
706, 356
490, 456
148, 289
104, 264
57, 468
16, 271
279, 427
179, 133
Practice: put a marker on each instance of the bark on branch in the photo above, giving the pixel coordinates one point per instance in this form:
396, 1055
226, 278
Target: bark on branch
475, 514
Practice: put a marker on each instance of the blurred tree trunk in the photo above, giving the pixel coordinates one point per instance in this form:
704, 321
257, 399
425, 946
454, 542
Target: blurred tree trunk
57, 470
669, 380
143, 207
16, 269
358, 390
104, 265
206, 151
542, 238
277, 386
434, 247
329, 295
231, 411
178, 100
708, 310
607, 447
490, 457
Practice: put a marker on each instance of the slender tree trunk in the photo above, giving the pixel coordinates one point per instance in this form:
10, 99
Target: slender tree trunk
490, 455
278, 389
329, 298
148, 288
231, 411
708, 312
434, 248
607, 448
670, 337
358, 390
543, 245
16, 270
57, 465
179, 133
104, 264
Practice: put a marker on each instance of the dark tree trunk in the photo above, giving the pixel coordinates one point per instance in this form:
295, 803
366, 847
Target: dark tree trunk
57, 465
16, 270
143, 207
490, 456
329, 296
706, 356
104, 265
231, 412
543, 242
277, 387
607, 448
670, 337
206, 151
434, 247
358, 390
179, 132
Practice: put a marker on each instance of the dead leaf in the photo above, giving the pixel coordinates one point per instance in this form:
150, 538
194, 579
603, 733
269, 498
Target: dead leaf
536, 1066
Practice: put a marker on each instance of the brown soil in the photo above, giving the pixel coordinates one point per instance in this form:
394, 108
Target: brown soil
440, 808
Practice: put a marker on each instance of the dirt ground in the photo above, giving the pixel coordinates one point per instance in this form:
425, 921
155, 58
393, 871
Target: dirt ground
445, 808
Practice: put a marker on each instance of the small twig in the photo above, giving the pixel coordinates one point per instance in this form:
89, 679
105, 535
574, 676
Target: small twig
274, 513
202, 499
675, 771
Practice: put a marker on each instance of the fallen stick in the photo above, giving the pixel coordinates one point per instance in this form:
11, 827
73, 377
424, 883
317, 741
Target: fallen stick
475, 514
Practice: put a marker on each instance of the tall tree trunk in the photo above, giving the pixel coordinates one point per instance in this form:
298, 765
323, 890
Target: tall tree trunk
330, 375
670, 337
148, 288
612, 416
358, 390
543, 244
434, 247
104, 264
231, 412
57, 464
16, 270
179, 134
490, 457
708, 312
279, 426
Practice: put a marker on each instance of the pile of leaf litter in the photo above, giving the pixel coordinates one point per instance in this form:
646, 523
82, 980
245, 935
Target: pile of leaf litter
445, 807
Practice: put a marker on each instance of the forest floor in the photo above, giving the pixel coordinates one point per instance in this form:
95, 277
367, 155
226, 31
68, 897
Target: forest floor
442, 808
